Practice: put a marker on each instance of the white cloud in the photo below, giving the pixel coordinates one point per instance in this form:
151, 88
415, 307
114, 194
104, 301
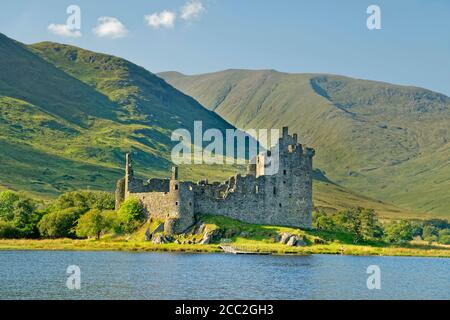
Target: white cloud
64, 30
110, 27
192, 10
164, 19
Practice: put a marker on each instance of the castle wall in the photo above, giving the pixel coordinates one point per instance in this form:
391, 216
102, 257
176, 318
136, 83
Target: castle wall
264, 196
136, 185
281, 199
176, 207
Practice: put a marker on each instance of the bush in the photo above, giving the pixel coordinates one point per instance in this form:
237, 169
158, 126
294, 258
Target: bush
61, 223
322, 221
444, 236
361, 223
399, 232
430, 233
8, 230
93, 224
19, 212
85, 200
130, 214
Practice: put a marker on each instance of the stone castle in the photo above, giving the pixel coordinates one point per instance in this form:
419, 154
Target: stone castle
263, 196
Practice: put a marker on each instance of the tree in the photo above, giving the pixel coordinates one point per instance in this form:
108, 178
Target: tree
348, 221
8, 230
60, 223
131, 213
20, 212
361, 223
398, 232
370, 228
85, 200
444, 236
430, 233
93, 224
323, 222
7, 201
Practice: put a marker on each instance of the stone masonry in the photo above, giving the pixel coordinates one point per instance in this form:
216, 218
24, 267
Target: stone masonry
277, 190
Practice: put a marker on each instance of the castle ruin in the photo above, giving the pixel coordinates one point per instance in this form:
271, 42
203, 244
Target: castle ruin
263, 196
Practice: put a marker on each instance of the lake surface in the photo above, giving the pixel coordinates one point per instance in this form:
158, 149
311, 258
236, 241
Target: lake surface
119, 275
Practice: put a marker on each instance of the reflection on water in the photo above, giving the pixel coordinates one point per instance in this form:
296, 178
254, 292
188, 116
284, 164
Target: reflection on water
118, 275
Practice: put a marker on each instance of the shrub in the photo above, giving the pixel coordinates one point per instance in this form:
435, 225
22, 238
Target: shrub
8, 230
85, 200
430, 233
20, 212
444, 236
130, 214
399, 232
361, 223
60, 223
322, 221
93, 224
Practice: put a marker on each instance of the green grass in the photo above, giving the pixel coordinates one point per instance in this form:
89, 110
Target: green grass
384, 141
261, 238
331, 198
242, 236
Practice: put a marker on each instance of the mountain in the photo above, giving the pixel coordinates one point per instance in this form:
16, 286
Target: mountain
385, 141
67, 117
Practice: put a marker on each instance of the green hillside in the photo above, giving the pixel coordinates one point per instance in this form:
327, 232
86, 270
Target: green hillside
67, 126
68, 115
386, 141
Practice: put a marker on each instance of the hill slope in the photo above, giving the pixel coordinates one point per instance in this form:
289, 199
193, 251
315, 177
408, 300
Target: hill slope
386, 141
68, 125
68, 115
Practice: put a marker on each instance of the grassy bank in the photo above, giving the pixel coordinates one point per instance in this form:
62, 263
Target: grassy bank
241, 236
415, 249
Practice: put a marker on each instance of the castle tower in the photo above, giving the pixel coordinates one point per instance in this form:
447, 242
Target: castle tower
128, 171
181, 198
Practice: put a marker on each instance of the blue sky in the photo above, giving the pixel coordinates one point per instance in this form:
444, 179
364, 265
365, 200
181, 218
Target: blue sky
324, 36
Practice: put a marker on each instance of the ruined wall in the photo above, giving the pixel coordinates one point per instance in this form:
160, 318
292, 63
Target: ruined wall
175, 207
264, 196
136, 185
283, 198
273, 200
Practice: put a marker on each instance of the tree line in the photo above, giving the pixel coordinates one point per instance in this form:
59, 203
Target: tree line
78, 214
363, 225
89, 214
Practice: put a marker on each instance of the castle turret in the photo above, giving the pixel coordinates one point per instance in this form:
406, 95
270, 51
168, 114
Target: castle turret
128, 172
181, 199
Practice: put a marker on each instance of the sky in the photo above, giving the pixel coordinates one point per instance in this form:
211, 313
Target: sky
200, 36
